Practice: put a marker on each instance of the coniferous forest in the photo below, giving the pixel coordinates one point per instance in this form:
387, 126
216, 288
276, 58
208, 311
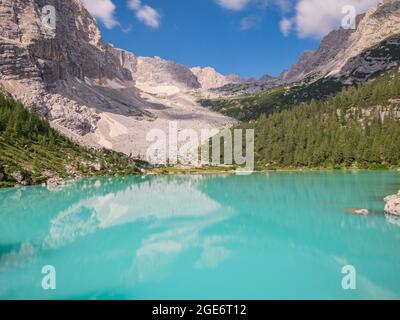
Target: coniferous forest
31, 151
358, 127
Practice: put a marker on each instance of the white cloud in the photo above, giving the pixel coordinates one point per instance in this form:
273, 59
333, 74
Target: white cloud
102, 10
311, 18
134, 4
149, 16
250, 22
316, 18
286, 26
283, 5
146, 14
235, 5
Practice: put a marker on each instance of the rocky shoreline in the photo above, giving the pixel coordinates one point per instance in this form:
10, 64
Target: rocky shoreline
391, 209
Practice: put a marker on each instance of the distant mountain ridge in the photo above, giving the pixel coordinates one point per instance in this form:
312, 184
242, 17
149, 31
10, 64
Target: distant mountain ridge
348, 55
338, 52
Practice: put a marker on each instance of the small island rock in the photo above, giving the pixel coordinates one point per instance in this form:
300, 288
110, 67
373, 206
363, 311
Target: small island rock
361, 211
393, 204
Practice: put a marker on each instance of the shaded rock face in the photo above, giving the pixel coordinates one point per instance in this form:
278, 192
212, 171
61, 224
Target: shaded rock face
311, 61
373, 60
248, 87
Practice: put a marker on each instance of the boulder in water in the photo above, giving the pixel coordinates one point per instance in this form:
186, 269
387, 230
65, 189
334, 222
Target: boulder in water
393, 205
362, 212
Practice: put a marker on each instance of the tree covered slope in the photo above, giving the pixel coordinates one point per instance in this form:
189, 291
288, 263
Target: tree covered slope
358, 127
247, 108
31, 151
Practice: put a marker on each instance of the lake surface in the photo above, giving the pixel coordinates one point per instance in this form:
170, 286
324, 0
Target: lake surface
264, 236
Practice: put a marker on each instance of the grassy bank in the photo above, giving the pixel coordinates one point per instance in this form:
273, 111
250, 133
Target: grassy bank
185, 170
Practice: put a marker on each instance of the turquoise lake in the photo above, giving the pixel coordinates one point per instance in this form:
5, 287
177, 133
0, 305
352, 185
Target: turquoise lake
263, 236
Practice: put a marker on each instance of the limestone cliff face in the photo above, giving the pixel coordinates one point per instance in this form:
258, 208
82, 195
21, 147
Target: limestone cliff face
37, 62
89, 90
74, 48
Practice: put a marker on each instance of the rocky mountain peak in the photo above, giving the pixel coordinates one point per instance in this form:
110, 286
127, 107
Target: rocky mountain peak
339, 47
89, 90
209, 78
159, 71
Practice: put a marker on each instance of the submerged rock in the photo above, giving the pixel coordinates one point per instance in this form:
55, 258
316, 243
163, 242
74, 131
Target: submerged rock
395, 220
393, 204
362, 212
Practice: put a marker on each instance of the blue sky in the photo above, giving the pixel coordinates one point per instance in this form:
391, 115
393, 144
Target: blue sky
247, 37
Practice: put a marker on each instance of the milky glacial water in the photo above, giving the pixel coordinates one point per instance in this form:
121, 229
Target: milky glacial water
263, 236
